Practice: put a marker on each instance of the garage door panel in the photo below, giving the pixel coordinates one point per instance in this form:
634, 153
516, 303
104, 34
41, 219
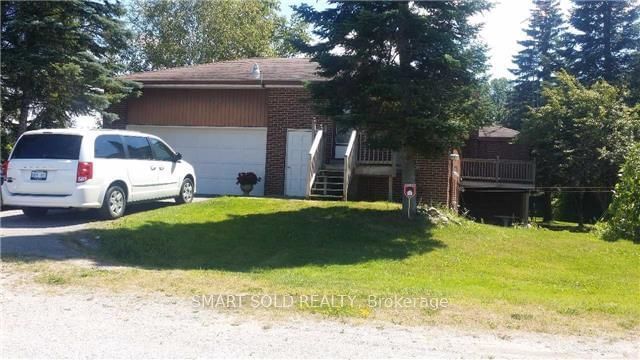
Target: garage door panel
224, 156
217, 154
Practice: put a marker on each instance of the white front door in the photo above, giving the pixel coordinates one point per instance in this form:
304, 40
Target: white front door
298, 146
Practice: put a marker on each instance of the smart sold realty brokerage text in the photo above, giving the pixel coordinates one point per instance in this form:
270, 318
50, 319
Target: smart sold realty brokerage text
314, 301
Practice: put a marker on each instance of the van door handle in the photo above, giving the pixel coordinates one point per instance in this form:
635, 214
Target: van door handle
161, 168
153, 167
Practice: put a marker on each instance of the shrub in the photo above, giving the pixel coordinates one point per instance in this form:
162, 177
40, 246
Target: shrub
624, 211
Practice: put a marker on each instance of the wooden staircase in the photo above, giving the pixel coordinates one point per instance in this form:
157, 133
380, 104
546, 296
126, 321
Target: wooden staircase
332, 180
329, 182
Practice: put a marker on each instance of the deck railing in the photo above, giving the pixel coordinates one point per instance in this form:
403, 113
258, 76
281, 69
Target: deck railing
350, 163
499, 170
316, 159
370, 156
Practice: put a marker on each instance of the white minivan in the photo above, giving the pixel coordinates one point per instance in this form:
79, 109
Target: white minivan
102, 169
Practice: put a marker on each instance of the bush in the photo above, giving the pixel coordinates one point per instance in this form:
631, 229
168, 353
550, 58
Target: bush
624, 212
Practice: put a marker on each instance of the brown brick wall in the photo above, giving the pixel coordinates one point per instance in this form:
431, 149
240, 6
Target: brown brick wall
288, 108
433, 180
437, 181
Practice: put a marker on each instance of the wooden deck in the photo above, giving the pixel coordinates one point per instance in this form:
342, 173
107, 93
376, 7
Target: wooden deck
498, 173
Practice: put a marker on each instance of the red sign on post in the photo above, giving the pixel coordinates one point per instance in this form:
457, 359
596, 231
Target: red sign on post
409, 190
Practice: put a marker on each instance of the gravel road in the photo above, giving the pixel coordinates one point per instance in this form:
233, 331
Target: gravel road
38, 324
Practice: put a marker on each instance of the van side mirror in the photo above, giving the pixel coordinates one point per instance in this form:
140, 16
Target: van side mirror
177, 157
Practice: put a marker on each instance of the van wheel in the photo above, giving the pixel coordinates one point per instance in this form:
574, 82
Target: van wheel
35, 212
114, 203
186, 192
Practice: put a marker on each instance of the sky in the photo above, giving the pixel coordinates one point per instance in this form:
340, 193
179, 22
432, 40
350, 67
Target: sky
503, 27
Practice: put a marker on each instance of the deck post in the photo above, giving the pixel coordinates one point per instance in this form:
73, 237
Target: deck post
525, 208
390, 192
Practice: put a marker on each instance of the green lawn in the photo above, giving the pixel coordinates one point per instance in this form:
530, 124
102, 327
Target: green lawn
490, 275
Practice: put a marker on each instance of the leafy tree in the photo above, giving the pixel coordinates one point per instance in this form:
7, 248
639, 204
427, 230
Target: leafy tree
407, 73
581, 135
606, 41
539, 59
500, 91
58, 61
624, 212
178, 33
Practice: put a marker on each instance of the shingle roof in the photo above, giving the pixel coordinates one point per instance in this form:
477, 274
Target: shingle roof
274, 70
496, 131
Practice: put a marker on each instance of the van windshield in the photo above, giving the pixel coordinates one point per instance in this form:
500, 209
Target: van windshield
48, 146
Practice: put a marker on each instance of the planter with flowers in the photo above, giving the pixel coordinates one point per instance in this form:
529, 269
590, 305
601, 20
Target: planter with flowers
247, 180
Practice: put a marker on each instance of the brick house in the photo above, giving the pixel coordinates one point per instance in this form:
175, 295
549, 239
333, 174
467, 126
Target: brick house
256, 115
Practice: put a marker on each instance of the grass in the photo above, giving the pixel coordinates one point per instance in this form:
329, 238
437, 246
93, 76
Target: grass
491, 276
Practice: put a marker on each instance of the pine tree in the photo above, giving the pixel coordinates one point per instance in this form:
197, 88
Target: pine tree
607, 40
59, 59
539, 59
407, 73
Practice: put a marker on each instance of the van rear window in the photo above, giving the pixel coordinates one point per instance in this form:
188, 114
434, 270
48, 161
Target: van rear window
48, 146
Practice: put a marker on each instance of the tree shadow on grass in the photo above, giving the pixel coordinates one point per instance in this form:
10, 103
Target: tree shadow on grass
310, 236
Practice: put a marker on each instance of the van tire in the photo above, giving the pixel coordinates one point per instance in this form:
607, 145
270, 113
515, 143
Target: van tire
114, 203
186, 192
34, 212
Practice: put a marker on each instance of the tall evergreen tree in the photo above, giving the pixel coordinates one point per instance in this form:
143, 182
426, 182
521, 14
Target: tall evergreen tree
408, 73
607, 39
539, 59
59, 60
500, 92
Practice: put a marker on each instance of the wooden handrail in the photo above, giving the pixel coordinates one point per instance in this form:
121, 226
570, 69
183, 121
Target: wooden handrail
316, 158
498, 170
350, 163
370, 156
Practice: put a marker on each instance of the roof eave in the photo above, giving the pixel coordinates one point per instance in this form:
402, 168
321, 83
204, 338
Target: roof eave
210, 84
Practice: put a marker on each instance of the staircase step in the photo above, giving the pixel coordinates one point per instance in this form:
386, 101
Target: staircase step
322, 187
325, 170
326, 197
327, 183
327, 192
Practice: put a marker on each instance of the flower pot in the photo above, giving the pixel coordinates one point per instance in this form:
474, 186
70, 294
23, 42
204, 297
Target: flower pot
246, 188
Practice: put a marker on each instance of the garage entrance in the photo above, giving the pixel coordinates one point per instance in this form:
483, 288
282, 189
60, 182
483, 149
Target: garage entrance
218, 154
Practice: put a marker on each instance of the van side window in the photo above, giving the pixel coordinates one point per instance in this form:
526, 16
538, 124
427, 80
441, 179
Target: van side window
138, 147
161, 151
109, 147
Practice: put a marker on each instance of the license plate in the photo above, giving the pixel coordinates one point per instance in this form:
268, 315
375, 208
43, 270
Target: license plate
39, 175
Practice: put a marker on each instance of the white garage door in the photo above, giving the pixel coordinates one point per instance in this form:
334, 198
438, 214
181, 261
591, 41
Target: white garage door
217, 154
